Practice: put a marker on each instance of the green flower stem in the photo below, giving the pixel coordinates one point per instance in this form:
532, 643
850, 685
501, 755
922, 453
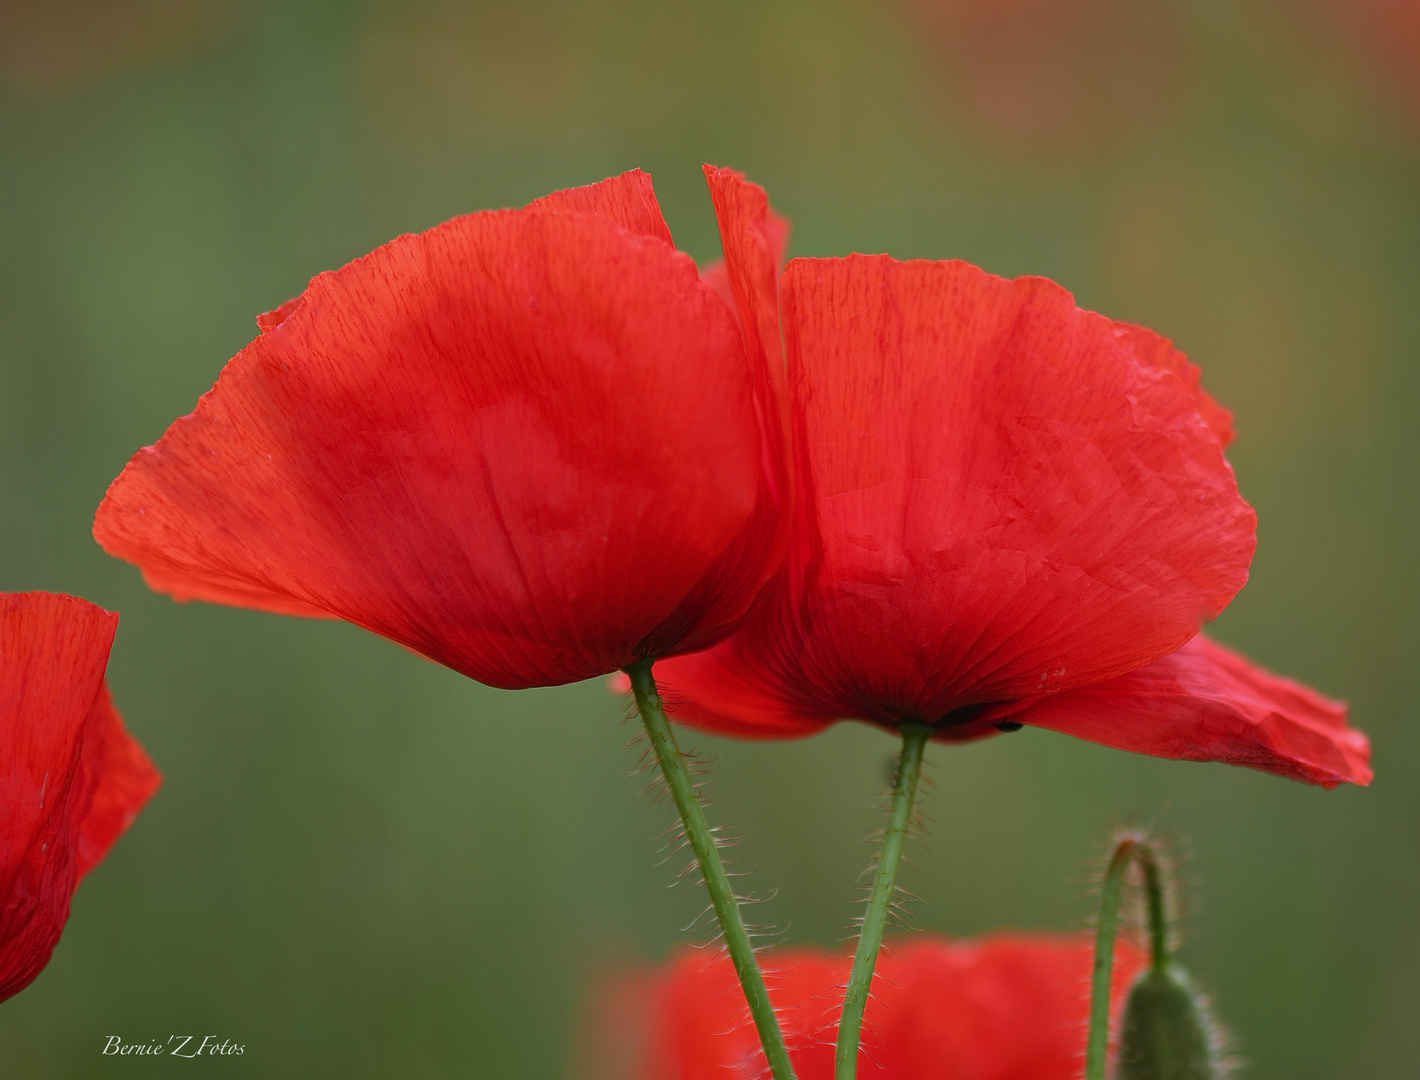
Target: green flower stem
1158, 922
717, 883
1129, 849
860, 978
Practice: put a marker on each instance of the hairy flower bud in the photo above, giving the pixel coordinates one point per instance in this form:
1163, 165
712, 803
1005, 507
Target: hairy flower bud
1167, 1033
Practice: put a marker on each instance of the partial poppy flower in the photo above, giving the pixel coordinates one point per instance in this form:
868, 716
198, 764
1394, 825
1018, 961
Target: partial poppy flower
533, 445
1009, 1006
1005, 505
71, 778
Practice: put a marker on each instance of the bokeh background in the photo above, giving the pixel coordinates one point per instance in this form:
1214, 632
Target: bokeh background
363, 865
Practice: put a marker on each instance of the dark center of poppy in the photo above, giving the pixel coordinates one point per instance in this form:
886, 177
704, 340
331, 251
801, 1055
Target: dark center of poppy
965, 714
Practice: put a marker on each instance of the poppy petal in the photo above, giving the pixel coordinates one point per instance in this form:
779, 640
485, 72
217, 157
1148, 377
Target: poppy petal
268, 321
1061, 513
1206, 702
474, 442
57, 754
997, 499
123, 780
958, 1009
628, 199
1158, 351
1008, 1006
753, 237
724, 691
717, 277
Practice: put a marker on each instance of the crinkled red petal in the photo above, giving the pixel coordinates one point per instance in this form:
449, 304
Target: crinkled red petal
69, 783
755, 239
997, 499
1158, 351
524, 443
268, 321
1206, 702
628, 199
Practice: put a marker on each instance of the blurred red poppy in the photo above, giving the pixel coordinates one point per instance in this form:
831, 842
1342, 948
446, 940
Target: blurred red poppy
1379, 38
1003, 500
532, 444
1009, 1006
71, 778
1389, 31
64, 46
1054, 75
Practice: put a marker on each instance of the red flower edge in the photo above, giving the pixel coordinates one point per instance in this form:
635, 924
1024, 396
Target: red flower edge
1204, 702
71, 777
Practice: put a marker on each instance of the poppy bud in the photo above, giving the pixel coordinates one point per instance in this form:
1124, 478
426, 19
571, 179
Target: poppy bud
1167, 1033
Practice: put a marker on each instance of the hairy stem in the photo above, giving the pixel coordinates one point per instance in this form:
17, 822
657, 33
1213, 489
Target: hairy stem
860, 978
1129, 850
1154, 900
717, 884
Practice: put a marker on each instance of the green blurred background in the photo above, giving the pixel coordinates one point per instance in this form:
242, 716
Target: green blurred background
363, 865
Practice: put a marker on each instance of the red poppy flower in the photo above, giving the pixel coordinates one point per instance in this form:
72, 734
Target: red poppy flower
1007, 507
71, 778
532, 444
1009, 1006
